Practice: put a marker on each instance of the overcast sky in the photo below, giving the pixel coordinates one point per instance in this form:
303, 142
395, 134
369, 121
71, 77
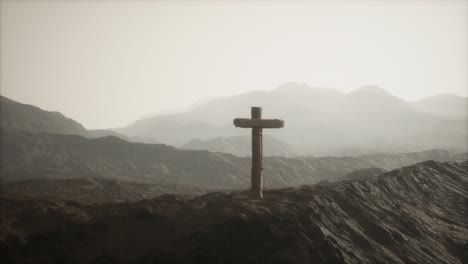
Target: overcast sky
107, 63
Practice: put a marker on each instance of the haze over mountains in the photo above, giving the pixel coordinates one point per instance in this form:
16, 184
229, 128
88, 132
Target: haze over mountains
444, 105
319, 121
322, 121
49, 156
69, 193
49, 145
240, 146
23, 117
125, 134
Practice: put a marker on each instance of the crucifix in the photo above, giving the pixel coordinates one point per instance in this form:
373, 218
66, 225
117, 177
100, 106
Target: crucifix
257, 124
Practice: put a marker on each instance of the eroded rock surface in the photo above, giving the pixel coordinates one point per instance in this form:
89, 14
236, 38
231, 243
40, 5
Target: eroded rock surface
415, 214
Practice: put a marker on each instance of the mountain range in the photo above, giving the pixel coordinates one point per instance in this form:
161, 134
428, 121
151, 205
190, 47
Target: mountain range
54, 156
69, 194
444, 105
16, 116
48, 145
23, 117
321, 121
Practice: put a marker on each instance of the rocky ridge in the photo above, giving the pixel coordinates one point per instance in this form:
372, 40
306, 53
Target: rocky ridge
42, 156
415, 214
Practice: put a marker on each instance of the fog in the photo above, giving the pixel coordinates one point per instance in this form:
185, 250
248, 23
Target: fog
108, 63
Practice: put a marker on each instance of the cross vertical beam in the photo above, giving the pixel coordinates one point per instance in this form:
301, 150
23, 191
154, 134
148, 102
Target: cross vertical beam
257, 124
257, 166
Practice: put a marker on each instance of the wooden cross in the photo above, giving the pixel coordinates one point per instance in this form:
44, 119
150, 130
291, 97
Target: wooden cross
257, 124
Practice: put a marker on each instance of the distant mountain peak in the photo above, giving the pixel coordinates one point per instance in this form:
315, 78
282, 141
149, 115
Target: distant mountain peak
444, 105
442, 96
371, 89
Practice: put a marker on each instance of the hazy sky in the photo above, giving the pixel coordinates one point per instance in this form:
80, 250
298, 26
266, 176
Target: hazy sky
106, 63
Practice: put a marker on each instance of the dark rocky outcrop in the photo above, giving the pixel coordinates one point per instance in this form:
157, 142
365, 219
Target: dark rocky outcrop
415, 214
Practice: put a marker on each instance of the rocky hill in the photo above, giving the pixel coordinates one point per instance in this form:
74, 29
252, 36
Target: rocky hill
42, 156
415, 214
18, 116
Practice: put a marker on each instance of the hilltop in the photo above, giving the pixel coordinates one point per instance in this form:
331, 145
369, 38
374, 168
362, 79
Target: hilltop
408, 215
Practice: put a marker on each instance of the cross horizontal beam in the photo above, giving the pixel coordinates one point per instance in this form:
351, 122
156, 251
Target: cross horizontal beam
258, 123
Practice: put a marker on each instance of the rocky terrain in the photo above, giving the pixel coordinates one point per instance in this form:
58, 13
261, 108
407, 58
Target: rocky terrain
415, 214
93, 190
365, 174
49, 156
72, 195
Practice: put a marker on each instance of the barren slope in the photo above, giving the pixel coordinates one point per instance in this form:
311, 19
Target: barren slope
416, 214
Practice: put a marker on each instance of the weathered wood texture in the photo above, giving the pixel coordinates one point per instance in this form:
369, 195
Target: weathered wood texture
256, 176
257, 124
260, 123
